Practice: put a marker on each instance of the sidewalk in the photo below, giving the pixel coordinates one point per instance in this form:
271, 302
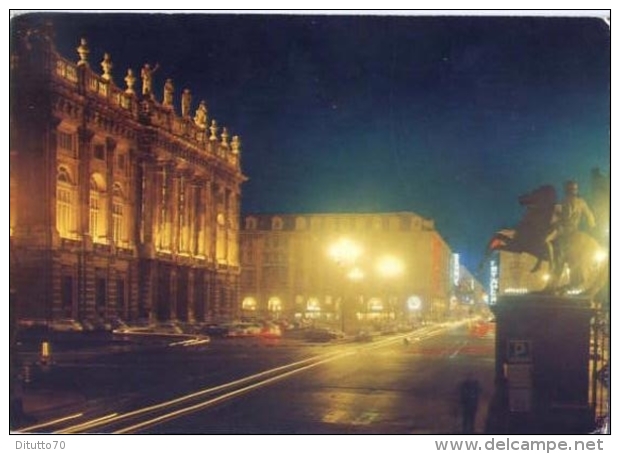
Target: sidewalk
32, 406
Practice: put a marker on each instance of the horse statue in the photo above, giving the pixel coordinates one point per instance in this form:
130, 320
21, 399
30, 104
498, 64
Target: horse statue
576, 262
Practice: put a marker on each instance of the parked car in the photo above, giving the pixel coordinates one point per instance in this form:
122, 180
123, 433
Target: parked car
66, 325
322, 334
169, 327
271, 331
96, 325
215, 330
116, 323
363, 336
244, 329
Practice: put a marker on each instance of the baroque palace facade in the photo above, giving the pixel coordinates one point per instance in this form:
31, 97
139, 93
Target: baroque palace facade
374, 266
119, 206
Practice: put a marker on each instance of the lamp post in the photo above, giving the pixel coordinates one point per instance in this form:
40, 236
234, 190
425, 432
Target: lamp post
345, 253
390, 267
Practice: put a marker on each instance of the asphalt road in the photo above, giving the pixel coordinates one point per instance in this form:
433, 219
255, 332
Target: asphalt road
379, 387
394, 389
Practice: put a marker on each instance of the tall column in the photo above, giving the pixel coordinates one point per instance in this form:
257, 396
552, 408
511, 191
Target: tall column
160, 210
191, 295
86, 277
220, 224
145, 206
148, 205
174, 208
185, 212
174, 276
110, 145
191, 215
233, 228
85, 137
209, 222
134, 199
198, 220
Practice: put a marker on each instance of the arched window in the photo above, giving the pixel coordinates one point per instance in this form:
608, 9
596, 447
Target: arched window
300, 223
96, 224
250, 223
277, 223
66, 197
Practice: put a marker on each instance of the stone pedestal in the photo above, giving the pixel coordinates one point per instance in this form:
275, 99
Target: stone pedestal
542, 365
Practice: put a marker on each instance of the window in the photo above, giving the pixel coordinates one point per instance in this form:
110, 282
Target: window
66, 143
99, 152
120, 162
276, 223
65, 204
300, 223
377, 223
394, 223
250, 223
97, 210
315, 223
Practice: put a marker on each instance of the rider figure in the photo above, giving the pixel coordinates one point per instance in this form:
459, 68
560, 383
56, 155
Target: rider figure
574, 210
571, 214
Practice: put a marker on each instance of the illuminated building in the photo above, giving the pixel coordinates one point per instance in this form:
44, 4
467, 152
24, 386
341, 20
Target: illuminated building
119, 206
306, 265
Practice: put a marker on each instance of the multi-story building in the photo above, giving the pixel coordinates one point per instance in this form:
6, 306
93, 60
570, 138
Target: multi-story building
380, 265
119, 206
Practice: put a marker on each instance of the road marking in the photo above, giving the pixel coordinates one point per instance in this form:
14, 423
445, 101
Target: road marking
456, 352
50, 423
334, 416
366, 418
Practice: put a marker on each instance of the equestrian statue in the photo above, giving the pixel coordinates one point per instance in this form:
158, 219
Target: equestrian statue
552, 233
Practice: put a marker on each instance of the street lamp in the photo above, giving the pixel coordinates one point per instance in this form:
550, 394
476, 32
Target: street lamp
356, 274
345, 252
390, 267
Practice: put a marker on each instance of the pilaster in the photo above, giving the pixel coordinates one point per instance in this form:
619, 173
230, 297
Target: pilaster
110, 145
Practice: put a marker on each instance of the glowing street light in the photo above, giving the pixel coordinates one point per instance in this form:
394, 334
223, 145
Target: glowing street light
356, 274
389, 266
345, 251
600, 256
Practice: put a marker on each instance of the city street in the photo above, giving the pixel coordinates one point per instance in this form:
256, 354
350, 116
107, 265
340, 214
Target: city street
253, 386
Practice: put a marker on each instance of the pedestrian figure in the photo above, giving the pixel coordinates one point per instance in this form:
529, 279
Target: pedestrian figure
469, 392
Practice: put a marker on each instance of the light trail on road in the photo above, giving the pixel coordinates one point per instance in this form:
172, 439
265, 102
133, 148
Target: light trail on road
142, 418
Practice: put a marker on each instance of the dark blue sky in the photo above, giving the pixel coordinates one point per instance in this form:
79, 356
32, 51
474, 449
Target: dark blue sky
448, 117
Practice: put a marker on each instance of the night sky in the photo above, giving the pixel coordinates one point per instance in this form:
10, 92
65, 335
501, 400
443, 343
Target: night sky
448, 117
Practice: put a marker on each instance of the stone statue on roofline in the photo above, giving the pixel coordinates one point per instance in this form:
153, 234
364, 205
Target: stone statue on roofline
106, 66
168, 93
213, 128
147, 79
201, 115
130, 80
186, 102
83, 51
